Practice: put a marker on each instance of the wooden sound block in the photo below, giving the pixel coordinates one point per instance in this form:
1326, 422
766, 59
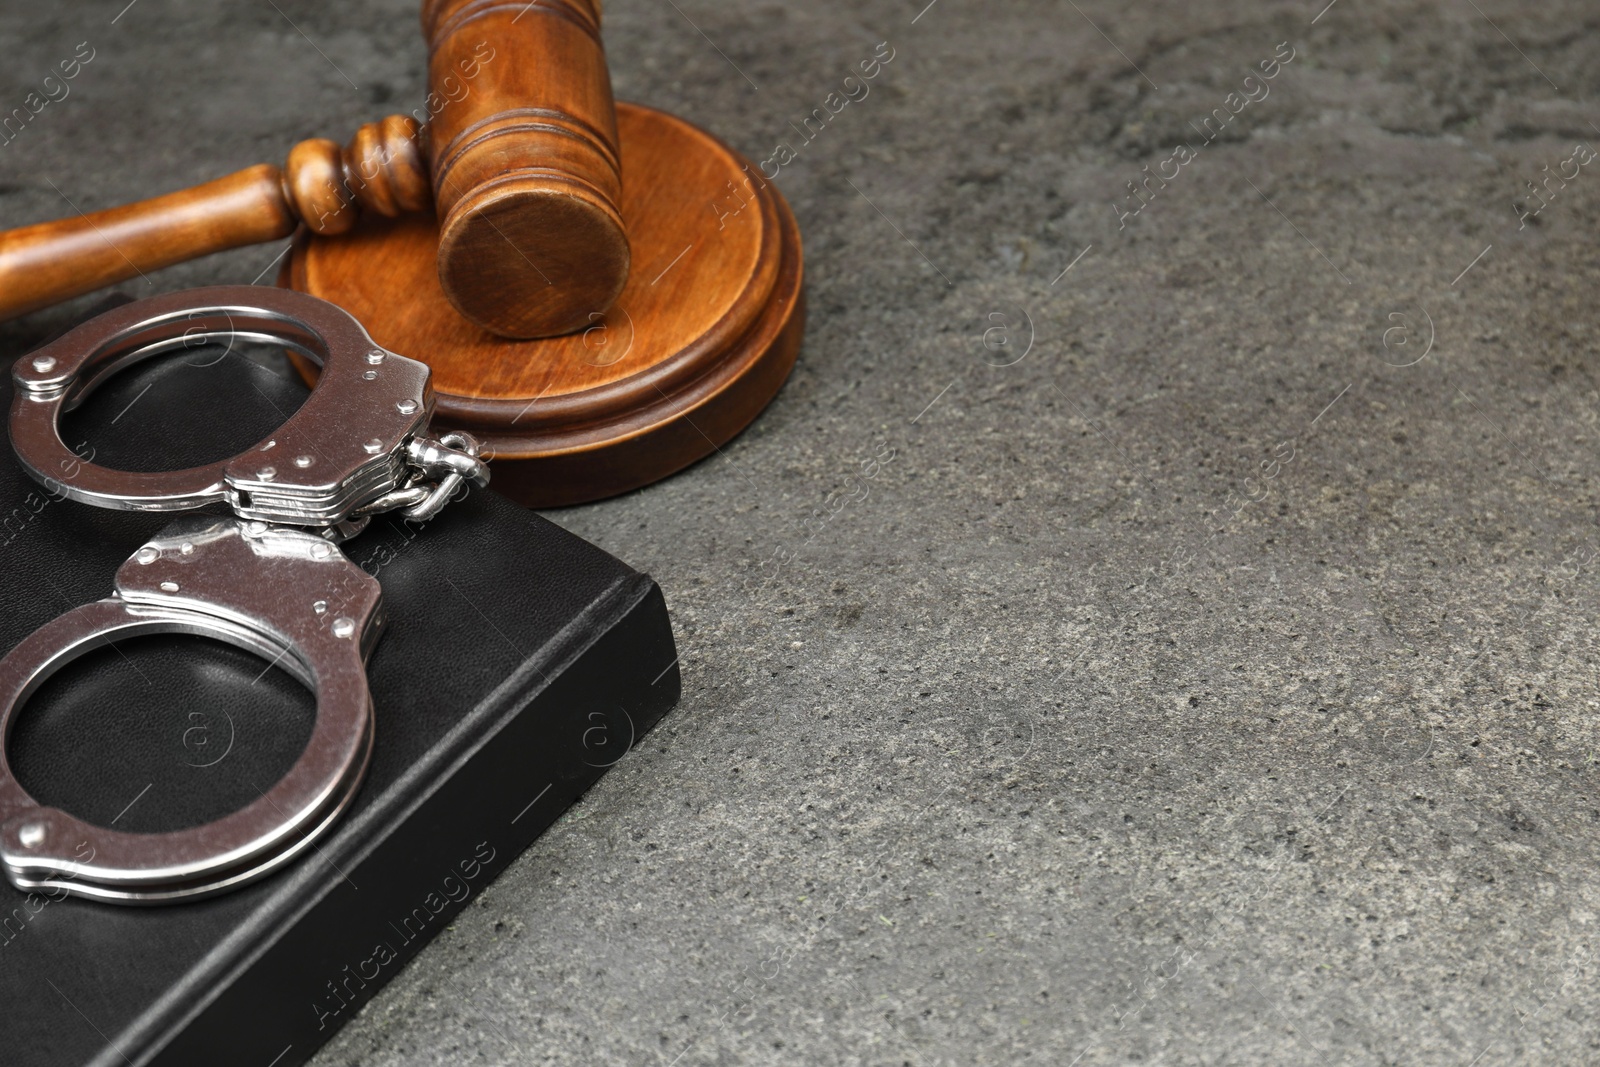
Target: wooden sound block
701, 339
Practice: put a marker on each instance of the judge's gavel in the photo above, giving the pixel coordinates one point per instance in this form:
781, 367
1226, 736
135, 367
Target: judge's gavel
518, 156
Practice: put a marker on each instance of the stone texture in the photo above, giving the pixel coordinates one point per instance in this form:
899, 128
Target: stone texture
1206, 686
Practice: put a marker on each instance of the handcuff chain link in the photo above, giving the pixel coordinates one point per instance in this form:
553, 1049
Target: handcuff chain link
437, 469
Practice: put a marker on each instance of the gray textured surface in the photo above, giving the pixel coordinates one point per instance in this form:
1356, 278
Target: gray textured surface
1049, 741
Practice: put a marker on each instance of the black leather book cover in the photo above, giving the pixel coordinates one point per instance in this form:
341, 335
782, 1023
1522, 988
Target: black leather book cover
518, 663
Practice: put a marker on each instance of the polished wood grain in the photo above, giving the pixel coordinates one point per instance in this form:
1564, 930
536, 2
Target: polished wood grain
381, 171
525, 164
519, 149
702, 337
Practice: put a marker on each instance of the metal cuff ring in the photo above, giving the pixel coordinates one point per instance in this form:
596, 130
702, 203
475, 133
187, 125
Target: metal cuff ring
288, 595
311, 471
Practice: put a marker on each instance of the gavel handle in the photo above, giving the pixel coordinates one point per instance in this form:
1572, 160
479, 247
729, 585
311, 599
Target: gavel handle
380, 171
50, 262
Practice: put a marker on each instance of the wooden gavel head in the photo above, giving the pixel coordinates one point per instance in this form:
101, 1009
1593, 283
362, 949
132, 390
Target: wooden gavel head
526, 174
521, 158
516, 147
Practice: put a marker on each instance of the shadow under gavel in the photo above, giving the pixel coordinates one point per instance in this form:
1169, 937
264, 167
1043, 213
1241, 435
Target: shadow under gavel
518, 158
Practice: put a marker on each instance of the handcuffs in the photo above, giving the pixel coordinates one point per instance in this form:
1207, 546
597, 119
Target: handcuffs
270, 578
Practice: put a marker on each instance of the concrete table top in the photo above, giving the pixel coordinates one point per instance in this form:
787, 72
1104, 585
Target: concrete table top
1155, 624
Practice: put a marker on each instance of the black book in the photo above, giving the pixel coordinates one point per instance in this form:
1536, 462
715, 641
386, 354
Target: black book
518, 663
